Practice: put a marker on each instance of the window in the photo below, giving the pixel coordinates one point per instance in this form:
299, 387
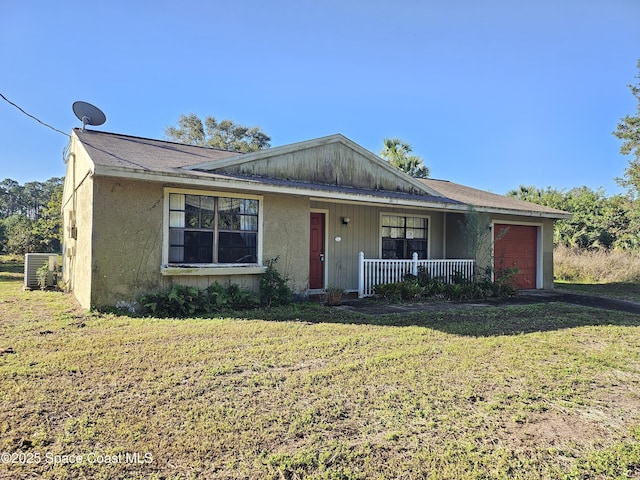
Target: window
402, 236
207, 230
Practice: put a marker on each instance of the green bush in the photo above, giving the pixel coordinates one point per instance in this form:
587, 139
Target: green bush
410, 290
183, 301
42, 273
274, 290
423, 287
391, 292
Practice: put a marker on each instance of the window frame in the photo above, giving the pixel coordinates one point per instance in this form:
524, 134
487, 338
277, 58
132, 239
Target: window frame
405, 216
208, 268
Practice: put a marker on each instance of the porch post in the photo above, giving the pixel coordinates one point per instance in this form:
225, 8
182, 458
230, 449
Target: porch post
361, 275
414, 264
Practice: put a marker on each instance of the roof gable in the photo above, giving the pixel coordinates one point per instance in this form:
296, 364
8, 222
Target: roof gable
332, 160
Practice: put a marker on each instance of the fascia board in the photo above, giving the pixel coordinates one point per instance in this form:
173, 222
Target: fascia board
249, 186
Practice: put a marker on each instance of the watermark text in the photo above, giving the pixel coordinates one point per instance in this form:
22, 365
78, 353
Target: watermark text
91, 458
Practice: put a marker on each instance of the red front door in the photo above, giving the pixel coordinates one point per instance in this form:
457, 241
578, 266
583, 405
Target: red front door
516, 249
316, 251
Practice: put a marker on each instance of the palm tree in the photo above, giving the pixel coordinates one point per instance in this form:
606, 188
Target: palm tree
398, 153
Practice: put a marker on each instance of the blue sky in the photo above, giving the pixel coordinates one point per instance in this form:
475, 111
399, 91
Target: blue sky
490, 93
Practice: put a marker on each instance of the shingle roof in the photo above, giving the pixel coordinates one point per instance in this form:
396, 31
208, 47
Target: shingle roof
488, 200
115, 150
127, 152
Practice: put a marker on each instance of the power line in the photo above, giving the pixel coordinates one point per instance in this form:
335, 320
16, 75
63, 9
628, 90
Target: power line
31, 116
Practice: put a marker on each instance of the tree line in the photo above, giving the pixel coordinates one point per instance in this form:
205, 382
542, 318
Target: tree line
598, 222
30, 216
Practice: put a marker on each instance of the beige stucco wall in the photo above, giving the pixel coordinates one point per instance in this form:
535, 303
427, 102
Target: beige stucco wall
249, 282
122, 242
128, 242
547, 254
127, 239
286, 237
76, 210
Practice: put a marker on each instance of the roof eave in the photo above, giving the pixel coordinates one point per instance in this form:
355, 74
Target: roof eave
193, 180
246, 185
524, 213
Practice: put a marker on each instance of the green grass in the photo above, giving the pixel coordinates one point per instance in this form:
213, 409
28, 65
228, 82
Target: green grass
621, 290
307, 391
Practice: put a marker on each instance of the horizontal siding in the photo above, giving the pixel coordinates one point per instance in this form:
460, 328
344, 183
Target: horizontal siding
363, 235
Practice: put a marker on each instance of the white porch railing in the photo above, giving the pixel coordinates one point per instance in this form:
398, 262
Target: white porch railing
374, 271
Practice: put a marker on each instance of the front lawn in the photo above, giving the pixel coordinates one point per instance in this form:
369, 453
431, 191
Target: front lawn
307, 391
620, 290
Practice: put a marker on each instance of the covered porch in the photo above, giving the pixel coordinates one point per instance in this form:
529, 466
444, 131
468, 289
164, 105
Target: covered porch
355, 246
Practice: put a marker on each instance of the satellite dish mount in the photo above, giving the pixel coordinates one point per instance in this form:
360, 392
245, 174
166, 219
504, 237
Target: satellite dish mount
88, 114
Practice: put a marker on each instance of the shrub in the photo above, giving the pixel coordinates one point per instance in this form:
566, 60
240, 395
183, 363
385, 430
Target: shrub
424, 287
42, 273
391, 292
410, 290
273, 286
240, 298
502, 286
179, 301
183, 301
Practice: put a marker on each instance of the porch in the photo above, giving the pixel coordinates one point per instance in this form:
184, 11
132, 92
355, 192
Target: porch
374, 271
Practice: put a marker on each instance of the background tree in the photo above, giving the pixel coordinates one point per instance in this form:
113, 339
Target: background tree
30, 216
20, 239
225, 135
47, 228
598, 222
398, 153
629, 132
10, 197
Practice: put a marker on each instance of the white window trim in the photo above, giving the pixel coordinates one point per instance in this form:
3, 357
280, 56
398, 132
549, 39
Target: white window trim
209, 268
402, 214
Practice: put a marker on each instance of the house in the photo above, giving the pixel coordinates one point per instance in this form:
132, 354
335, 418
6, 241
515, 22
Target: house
141, 215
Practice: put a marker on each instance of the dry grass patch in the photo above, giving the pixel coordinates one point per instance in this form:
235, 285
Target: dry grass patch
543, 391
596, 266
611, 274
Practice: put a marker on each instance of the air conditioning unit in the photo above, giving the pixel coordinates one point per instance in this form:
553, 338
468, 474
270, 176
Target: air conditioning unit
33, 262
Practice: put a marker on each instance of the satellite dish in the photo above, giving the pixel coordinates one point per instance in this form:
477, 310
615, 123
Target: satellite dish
88, 114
